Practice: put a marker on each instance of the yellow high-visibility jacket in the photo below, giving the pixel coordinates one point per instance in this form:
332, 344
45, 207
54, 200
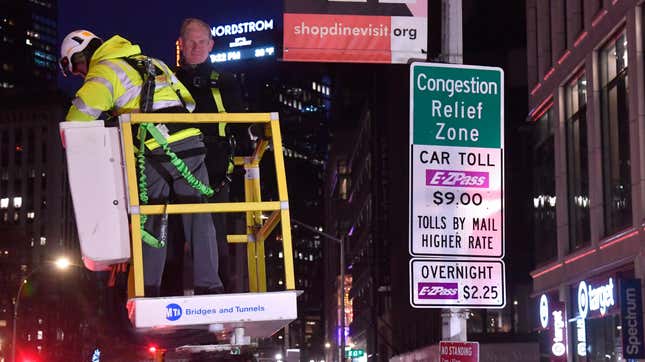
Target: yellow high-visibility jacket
111, 84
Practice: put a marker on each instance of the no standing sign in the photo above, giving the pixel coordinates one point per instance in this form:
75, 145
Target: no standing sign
456, 181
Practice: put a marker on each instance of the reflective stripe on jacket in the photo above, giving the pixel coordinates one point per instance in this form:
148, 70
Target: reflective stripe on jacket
111, 84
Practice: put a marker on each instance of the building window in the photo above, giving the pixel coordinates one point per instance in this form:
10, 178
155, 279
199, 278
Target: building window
4, 148
343, 179
543, 190
17, 189
579, 22
4, 184
31, 145
548, 25
499, 320
577, 163
43, 145
475, 321
614, 106
18, 148
562, 19
596, 6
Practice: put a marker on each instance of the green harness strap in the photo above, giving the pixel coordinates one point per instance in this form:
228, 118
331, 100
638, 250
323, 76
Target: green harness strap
143, 184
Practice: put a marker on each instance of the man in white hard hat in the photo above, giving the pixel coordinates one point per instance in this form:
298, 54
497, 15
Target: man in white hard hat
119, 79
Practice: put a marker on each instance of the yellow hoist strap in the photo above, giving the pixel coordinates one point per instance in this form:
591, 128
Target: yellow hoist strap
217, 97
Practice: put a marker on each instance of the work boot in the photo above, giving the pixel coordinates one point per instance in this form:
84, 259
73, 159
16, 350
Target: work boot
208, 291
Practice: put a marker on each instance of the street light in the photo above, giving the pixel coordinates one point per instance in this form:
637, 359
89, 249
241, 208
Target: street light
341, 241
61, 263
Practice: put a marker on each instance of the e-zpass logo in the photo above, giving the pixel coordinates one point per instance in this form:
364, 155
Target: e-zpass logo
457, 178
438, 291
173, 312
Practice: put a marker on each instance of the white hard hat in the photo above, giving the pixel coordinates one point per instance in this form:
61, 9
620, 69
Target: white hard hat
73, 43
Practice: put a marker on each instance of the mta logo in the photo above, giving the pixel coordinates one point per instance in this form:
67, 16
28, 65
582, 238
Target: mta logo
173, 312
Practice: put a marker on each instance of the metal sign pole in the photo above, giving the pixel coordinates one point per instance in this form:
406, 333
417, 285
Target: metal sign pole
342, 299
453, 321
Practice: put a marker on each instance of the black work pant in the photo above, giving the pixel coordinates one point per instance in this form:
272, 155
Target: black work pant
164, 180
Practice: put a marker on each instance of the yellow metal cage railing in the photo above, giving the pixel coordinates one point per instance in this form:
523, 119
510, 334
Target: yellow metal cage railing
257, 228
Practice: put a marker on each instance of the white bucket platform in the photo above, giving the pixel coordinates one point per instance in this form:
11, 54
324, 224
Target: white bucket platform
96, 181
259, 314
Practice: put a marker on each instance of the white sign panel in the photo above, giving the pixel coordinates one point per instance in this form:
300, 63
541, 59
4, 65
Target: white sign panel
457, 208
456, 161
457, 283
211, 309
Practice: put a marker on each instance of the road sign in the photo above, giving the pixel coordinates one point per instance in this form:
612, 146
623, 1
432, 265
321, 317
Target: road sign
456, 160
459, 351
354, 353
457, 204
457, 283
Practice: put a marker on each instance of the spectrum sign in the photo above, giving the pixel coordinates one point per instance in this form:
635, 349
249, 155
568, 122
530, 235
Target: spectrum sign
631, 303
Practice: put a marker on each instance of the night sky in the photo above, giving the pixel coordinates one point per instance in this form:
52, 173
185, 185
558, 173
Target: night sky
154, 25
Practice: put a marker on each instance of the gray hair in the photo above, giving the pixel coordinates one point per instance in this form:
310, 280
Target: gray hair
187, 22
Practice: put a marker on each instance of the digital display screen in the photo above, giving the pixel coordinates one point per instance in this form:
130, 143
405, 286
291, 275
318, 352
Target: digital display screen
252, 39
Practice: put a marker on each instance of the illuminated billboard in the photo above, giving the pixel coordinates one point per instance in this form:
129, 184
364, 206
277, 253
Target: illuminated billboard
383, 31
251, 39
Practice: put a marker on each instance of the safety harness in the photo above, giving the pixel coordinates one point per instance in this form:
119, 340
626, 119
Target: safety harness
148, 71
217, 97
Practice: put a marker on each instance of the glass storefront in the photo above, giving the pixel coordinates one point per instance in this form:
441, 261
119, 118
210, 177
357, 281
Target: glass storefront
603, 339
594, 319
590, 323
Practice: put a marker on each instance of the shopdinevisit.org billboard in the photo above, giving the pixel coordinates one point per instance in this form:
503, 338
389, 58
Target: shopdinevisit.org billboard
380, 31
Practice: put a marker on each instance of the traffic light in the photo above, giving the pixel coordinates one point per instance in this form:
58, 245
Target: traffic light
27, 357
157, 353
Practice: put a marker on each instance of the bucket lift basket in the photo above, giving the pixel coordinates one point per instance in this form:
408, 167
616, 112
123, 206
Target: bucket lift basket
103, 183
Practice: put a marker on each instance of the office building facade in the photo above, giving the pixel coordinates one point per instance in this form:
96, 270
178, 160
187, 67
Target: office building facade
28, 44
587, 129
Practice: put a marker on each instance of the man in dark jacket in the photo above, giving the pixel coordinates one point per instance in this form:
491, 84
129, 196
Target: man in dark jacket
213, 92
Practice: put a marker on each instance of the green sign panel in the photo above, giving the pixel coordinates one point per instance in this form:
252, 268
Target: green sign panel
457, 105
354, 353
